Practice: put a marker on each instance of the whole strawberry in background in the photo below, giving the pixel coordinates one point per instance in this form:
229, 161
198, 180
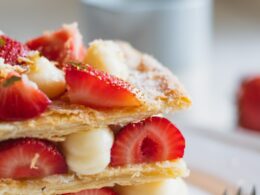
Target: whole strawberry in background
249, 103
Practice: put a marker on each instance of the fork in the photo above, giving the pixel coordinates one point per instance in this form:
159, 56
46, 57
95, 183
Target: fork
240, 191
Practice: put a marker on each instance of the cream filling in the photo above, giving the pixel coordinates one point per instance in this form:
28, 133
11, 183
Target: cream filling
107, 56
165, 187
88, 152
47, 76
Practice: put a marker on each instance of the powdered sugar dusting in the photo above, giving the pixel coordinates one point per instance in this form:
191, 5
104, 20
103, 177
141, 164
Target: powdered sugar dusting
153, 80
156, 84
145, 84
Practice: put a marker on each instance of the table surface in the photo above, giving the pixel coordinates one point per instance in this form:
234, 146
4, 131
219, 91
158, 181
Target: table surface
220, 161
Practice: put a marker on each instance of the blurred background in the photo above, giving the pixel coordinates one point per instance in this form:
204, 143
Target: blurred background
211, 45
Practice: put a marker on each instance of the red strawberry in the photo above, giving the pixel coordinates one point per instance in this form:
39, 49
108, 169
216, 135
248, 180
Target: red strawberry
62, 45
97, 89
10, 50
102, 191
153, 139
20, 98
249, 104
28, 158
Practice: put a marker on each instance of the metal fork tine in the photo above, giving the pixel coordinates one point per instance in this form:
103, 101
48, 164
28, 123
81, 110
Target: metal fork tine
253, 192
239, 192
225, 192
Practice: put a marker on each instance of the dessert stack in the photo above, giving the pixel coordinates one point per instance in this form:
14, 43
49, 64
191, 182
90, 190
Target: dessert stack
79, 119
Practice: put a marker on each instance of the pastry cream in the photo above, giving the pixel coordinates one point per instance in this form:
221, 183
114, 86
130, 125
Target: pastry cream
165, 187
108, 57
47, 76
88, 152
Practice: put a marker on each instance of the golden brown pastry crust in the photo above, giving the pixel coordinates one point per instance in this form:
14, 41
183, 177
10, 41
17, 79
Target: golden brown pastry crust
129, 175
160, 91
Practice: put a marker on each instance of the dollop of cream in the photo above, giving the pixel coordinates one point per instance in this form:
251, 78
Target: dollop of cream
107, 56
88, 152
47, 76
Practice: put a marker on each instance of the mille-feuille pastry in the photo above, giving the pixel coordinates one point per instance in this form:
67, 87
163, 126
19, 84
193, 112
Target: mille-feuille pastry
76, 119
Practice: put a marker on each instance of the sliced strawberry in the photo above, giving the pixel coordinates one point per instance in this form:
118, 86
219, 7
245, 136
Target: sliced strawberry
249, 104
102, 191
28, 158
10, 50
62, 45
97, 89
20, 98
151, 140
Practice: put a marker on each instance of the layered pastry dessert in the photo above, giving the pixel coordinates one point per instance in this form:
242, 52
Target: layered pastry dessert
79, 119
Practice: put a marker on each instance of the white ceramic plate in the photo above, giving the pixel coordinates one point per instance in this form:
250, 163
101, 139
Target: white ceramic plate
222, 160
196, 190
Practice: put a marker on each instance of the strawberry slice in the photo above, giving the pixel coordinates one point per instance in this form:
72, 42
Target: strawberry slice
28, 158
97, 89
249, 104
62, 45
10, 50
151, 140
102, 191
20, 98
